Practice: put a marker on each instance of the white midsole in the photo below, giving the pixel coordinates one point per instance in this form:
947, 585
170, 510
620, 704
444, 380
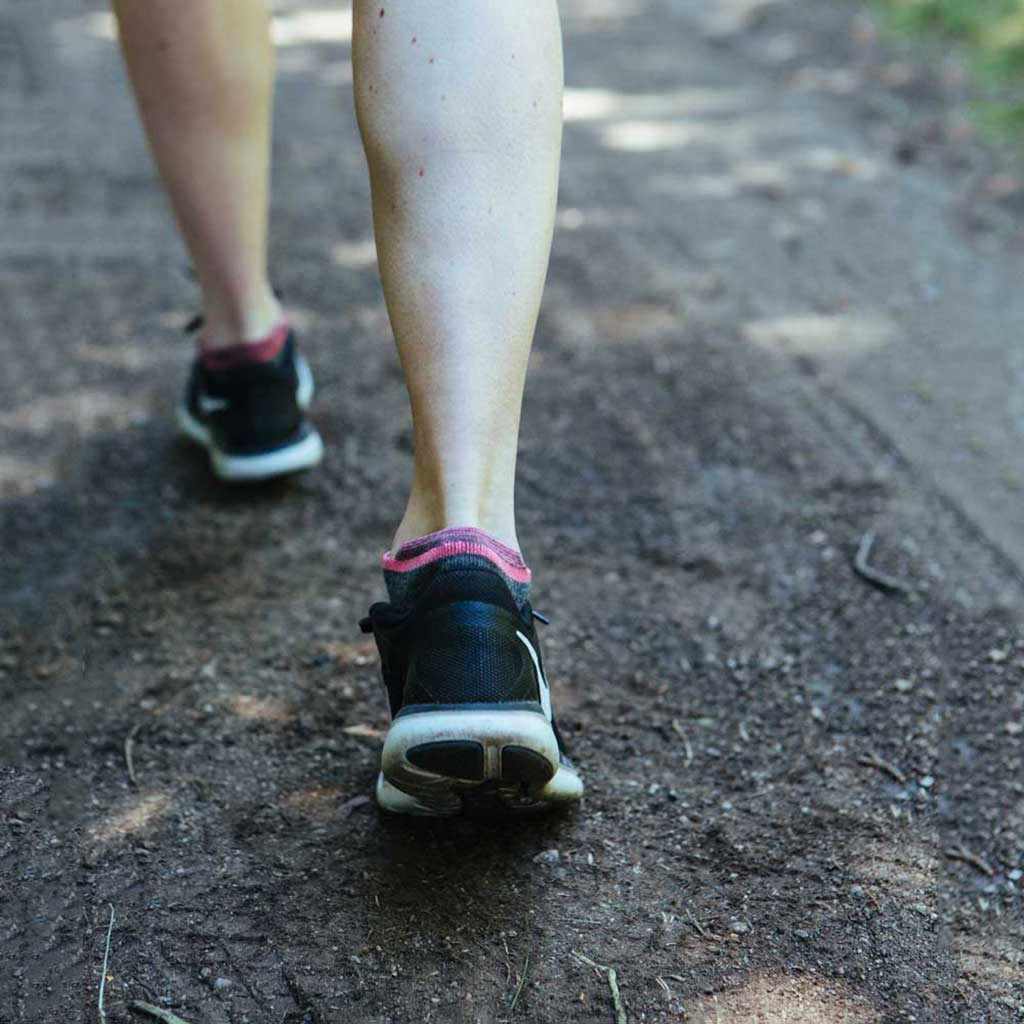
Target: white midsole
493, 730
405, 788
305, 453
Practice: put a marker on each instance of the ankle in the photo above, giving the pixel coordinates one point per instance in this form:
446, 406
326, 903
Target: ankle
418, 523
244, 322
468, 487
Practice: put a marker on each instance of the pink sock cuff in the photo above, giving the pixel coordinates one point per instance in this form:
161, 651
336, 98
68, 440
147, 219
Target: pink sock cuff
260, 351
456, 540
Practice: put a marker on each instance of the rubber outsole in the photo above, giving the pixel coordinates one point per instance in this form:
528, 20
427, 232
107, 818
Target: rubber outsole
480, 762
303, 454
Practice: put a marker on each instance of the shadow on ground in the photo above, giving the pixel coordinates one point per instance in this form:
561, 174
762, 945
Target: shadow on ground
804, 793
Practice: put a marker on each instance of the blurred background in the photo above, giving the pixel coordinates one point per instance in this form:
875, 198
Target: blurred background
771, 482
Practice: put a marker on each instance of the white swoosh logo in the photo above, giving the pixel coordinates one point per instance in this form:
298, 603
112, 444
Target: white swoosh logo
207, 404
545, 692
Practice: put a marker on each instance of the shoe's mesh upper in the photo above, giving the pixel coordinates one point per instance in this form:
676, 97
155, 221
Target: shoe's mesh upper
459, 663
459, 579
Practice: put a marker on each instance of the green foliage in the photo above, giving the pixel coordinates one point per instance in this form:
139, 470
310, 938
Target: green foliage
992, 36
993, 28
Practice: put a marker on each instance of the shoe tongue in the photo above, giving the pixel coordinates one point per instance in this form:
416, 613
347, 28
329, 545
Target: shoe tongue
446, 584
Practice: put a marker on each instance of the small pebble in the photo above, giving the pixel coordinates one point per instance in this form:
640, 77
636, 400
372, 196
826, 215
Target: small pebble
547, 857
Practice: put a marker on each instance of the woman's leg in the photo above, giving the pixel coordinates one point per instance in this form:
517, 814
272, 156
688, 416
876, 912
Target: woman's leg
460, 109
203, 73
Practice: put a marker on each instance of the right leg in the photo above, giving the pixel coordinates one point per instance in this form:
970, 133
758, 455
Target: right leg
203, 74
459, 106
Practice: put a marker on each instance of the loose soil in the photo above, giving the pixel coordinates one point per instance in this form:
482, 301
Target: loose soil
805, 796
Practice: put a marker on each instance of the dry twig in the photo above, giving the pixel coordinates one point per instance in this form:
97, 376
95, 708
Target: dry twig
106, 960
966, 857
872, 760
613, 985
129, 746
701, 930
155, 1011
519, 987
677, 727
874, 576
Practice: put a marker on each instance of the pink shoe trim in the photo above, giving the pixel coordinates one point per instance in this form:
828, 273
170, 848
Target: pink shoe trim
457, 540
259, 351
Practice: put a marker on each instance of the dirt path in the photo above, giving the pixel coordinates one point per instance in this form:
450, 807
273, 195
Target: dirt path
806, 800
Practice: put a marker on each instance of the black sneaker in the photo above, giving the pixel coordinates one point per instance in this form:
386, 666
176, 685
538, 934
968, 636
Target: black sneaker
472, 729
251, 418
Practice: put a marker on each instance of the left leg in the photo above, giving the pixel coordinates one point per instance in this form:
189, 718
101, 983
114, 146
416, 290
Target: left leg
203, 73
203, 76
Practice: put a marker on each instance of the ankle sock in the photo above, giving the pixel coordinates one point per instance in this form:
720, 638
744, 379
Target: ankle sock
262, 350
409, 568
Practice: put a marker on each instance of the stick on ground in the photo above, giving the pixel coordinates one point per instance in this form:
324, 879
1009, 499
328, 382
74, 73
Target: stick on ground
686, 742
106, 960
519, 987
966, 857
155, 1011
129, 746
613, 985
872, 760
874, 576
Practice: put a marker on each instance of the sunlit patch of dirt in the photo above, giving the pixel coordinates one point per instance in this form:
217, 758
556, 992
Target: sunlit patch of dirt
905, 870
137, 813
260, 709
637, 320
350, 652
320, 802
21, 477
993, 961
87, 412
775, 1000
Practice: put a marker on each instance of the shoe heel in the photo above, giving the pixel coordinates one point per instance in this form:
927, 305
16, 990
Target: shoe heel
444, 762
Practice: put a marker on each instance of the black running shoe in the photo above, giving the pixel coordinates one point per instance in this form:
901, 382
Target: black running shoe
251, 418
472, 729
